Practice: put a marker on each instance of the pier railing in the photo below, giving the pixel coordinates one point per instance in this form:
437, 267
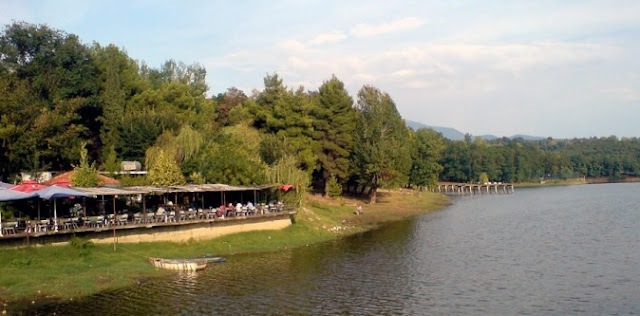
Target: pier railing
471, 188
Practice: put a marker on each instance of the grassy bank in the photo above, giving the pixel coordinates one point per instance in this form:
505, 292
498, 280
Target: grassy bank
82, 269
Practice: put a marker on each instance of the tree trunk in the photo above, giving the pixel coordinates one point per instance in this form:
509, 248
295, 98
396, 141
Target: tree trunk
373, 194
364, 187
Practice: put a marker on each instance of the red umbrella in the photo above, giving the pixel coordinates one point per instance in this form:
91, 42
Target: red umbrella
28, 186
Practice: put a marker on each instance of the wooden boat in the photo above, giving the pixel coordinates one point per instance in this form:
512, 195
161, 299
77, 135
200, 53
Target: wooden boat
212, 259
179, 264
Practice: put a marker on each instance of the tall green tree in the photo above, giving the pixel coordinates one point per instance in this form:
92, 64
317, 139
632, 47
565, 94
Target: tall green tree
381, 154
334, 122
48, 84
119, 80
163, 170
85, 173
230, 157
286, 113
427, 151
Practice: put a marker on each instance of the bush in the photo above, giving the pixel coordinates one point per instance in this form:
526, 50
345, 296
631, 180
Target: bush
333, 188
81, 243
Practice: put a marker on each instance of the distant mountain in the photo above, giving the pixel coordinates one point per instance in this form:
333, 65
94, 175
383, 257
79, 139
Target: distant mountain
447, 132
454, 134
524, 137
488, 137
527, 137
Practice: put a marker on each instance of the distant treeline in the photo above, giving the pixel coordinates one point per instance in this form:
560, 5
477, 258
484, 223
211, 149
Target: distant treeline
521, 161
58, 95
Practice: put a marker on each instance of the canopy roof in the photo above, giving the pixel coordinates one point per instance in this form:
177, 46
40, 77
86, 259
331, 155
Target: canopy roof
113, 191
11, 195
56, 192
4, 185
28, 186
64, 179
190, 188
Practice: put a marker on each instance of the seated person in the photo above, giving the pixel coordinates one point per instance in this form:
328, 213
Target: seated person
221, 211
231, 210
250, 207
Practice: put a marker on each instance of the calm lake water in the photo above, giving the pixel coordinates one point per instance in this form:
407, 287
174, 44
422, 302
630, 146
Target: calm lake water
543, 251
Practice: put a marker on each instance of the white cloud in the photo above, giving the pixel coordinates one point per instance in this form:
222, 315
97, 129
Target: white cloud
367, 30
625, 94
403, 73
292, 46
330, 37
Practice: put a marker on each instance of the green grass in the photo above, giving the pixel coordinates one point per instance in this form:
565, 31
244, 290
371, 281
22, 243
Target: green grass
79, 270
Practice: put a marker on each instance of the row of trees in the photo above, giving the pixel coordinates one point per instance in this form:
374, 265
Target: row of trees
57, 94
519, 161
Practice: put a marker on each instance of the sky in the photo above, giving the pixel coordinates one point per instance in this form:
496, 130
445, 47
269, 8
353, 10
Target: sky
558, 69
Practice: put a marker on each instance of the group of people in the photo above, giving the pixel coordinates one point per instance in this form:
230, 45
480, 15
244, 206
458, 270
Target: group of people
234, 209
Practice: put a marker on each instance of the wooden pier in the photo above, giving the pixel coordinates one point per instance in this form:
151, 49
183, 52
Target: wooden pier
472, 189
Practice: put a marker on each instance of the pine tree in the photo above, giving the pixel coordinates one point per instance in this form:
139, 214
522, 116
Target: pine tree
334, 122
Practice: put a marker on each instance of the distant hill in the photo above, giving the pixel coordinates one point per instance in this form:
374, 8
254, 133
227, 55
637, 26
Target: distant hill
527, 137
447, 132
454, 134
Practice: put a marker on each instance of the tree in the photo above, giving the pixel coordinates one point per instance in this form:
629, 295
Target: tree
381, 156
111, 163
47, 84
427, 151
286, 113
85, 174
333, 188
119, 80
483, 178
227, 102
334, 122
163, 170
230, 157
286, 171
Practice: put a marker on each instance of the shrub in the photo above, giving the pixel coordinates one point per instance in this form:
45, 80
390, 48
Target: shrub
332, 188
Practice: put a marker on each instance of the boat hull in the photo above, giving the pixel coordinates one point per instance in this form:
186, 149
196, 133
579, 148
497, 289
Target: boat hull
178, 264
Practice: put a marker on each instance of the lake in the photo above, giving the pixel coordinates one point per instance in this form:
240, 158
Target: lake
540, 251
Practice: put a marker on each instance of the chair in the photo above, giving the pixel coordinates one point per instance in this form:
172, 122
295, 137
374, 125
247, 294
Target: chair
111, 219
137, 218
63, 223
148, 218
43, 225
122, 219
96, 221
9, 228
73, 223
161, 216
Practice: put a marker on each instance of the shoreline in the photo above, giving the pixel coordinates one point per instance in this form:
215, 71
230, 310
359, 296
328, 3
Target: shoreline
551, 183
82, 269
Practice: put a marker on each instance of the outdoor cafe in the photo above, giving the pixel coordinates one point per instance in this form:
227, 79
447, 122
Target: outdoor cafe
42, 210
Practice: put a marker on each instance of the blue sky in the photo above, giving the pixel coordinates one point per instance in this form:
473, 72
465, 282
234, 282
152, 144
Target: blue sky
547, 68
